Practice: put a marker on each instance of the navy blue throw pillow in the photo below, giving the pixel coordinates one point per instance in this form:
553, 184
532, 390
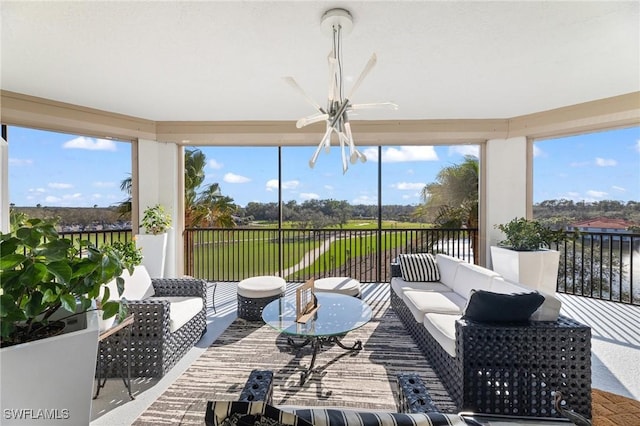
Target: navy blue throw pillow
487, 306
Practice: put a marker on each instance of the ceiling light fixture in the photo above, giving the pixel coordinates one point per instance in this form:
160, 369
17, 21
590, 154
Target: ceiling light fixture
337, 22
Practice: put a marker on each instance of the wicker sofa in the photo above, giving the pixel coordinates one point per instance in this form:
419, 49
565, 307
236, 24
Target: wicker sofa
503, 368
170, 318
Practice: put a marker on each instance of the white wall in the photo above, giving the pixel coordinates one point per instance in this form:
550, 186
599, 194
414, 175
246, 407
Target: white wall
158, 168
506, 183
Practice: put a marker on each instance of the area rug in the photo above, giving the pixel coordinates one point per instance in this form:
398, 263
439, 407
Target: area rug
365, 379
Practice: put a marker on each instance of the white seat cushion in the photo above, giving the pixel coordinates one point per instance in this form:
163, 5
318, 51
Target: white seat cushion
400, 286
442, 327
422, 302
262, 286
343, 285
472, 277
182, 310
448, 266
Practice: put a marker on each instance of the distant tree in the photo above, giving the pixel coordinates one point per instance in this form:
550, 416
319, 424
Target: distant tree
204, 205
452, 200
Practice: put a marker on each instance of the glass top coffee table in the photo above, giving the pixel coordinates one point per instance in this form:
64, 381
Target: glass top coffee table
338, 314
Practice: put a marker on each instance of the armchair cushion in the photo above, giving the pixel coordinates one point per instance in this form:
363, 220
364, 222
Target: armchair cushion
487, 306
419, 267
182, 310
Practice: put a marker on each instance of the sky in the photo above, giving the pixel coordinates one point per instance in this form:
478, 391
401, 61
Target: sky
55, 169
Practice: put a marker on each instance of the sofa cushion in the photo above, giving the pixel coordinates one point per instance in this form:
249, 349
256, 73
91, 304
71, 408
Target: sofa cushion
548, 311
220, 412
447, 265
400, 286
419, 267
137, 286
487, 306
442, 327
348, 417
472, 277
182, 310
422, 302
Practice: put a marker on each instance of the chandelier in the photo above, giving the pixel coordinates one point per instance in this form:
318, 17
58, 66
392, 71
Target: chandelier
337, 22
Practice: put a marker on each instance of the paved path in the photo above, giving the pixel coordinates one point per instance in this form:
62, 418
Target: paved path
309, 257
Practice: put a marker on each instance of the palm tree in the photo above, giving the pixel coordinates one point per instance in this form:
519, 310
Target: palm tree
452, 201
203, 207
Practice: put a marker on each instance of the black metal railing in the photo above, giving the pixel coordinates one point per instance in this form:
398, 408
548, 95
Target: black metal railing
98, 238
601, 265
219, 254
596, 265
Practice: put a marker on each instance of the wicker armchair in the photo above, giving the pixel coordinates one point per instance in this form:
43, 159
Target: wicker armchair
154, 348
510, 369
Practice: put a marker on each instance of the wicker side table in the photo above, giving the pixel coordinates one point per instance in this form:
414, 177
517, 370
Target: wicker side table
104, 356
259, 387
255, 293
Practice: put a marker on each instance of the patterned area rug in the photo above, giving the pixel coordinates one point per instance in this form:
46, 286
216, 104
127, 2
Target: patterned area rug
364, 379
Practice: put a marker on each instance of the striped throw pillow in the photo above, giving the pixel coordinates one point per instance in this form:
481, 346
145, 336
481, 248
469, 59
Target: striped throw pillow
419, 267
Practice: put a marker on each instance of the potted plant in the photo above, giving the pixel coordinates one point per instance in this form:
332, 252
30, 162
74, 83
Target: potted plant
131, 257
525, 254
153, 243
49, 328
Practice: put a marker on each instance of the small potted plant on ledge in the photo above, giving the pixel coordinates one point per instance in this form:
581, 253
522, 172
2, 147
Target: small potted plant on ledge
49, 329
153, 243
525, 255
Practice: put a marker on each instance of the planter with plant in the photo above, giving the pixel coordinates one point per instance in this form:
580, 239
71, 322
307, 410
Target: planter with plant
525, 254
49, 328
153, 243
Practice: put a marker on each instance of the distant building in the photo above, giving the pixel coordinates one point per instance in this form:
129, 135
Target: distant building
603, 225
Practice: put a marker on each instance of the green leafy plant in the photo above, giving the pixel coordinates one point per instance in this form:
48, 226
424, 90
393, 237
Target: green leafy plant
127, 251
155, 220
528, 235
41, 273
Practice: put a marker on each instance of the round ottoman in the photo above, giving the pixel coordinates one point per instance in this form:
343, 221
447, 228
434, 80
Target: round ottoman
255, 293
343, 285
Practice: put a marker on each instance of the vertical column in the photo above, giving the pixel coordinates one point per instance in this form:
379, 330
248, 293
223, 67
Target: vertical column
159, 183
507, 182
4, 185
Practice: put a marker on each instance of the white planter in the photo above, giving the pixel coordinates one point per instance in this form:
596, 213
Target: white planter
105, 324
50, 381
535, 269
154, 253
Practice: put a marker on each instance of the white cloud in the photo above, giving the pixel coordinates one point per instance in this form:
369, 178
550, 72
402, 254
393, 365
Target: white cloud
579, 164
309, 196
465, 150
537, 152
59, 185
272, 184
605, 162
20, 162
96, 196
328, 187
365, 199
91, 144
638, 145
75, 196
406, 186
619, 188
234, 178
213, 164
403, 154
52, 199
596, 194
38, 190
99, 184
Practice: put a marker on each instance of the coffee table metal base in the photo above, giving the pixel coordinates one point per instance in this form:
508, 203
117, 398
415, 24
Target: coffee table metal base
316, 344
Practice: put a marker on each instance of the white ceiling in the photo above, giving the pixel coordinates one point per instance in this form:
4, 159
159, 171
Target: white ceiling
220, 60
